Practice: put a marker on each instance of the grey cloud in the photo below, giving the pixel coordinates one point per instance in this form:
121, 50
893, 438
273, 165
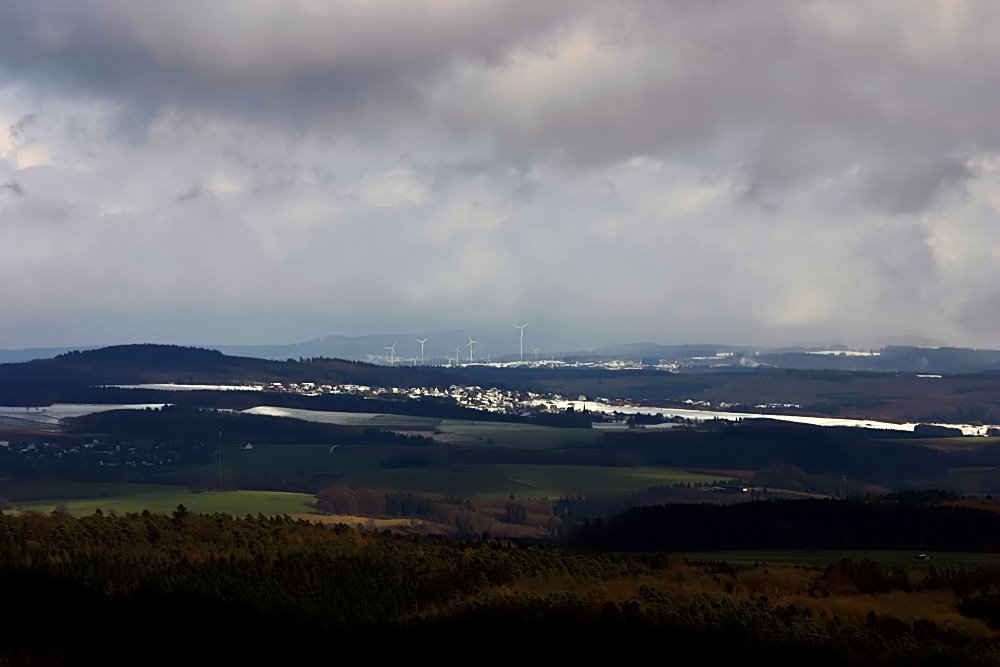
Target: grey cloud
312, 59
812, 101
902, 186
816, 89
191, 193
14, 188
982, 314
748, 172
22, 125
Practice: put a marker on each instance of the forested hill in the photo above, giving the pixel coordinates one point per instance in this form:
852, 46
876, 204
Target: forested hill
795, 524
147, 363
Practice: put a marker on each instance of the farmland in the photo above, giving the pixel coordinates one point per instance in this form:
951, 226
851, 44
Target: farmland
83, 498
665, 539
288, 442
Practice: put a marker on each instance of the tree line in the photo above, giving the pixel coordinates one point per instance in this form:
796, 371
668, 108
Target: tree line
189, 587
793, 524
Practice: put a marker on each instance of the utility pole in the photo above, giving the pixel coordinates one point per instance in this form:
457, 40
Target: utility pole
220, 460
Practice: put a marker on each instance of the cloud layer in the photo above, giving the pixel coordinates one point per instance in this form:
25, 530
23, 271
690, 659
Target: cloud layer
271, 171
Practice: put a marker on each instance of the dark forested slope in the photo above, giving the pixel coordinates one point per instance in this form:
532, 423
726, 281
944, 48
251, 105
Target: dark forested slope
191, 589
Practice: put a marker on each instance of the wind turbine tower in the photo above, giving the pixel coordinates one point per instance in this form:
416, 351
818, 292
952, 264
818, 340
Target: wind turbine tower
421, 341
472, 350
535, 350
392, 354
458, 354
521, 327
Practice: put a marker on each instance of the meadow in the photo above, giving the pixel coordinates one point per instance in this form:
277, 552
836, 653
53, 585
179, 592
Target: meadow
523, 480
127, 498
526, 436
421, 469
967, 480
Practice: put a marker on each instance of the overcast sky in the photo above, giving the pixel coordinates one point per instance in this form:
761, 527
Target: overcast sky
251, 171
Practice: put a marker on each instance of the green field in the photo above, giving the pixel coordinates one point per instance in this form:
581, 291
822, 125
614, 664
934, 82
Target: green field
524, 481
528, 436
239, 464
367, 466
821, 557
469, 481
964, 481
17, 423
25, 490
164, 499
246, 468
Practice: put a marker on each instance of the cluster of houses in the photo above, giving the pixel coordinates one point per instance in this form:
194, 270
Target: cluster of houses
489, 399
94, 454
477, 398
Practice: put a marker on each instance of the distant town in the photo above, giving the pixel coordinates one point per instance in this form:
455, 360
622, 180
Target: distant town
603, 412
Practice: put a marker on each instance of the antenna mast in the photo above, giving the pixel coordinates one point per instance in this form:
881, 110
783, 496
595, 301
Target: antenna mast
220, 460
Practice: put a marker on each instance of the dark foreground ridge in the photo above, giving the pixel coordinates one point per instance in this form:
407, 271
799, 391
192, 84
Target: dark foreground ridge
192, 588
875, 523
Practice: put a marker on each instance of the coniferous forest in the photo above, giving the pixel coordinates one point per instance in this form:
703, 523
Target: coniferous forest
159, 588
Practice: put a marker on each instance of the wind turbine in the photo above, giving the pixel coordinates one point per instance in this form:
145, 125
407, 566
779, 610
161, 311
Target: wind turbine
521, 327
535, 350
392, 354
472, 350
415, 360
458, 354
421, 341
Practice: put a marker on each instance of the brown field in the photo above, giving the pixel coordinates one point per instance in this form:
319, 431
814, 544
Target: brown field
414, 526
988, 504
404, 525
782, 584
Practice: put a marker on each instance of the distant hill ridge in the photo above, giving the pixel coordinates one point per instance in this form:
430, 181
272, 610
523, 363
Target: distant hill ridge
972, 397
148, 353
372, 350
156, 363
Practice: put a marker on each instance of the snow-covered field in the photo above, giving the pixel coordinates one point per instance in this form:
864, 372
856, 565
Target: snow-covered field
59, 411
702, 415
321, 416
190, 387
846, 353
55, 413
